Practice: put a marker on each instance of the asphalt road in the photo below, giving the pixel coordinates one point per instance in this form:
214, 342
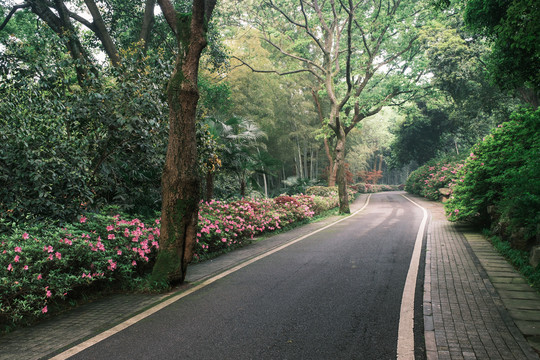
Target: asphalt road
334, 295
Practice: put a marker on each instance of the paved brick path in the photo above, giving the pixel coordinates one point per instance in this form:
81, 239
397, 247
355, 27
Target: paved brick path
464, 316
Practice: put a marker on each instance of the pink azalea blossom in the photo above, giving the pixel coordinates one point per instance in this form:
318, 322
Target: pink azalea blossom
18, 249
16, 259
25, 267
110, 228
10, 267
44, 310
39, 277
82, 219
25, 236
58, 255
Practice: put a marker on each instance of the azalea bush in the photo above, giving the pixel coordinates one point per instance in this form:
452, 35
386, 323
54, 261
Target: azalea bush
227, 225
502, 173
42, 267
437, 174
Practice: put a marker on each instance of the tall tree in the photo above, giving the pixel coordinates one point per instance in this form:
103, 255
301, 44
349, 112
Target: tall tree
180, 181
513, 26
360, 52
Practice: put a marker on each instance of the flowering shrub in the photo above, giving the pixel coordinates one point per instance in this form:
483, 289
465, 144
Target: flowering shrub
40, 271
225, 225
502, 172
428, 179
365, 188
325, 191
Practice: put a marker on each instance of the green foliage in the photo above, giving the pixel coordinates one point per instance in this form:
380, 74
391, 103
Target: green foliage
519, 259
434, 175
502, 171
514, 28
64, 148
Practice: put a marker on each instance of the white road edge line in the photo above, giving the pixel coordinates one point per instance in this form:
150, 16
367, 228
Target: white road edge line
135, 319
405, 344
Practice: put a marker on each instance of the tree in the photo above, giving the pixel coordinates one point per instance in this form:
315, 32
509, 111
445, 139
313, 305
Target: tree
513, 27
190, 26
360, 53
180, 181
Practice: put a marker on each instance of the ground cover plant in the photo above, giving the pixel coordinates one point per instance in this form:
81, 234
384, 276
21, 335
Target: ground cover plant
45, 268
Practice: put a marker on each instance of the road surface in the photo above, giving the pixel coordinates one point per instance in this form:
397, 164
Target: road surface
333, 295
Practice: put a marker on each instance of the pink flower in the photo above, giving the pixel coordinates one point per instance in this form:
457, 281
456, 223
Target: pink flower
48, 293
25, 236
44, 310
111, 236
58, 255
112, 265
110, 228
223, 240
10, 267
16, 259
119, 252
18, 249
39, 277
25, 267
134, 263
82, 219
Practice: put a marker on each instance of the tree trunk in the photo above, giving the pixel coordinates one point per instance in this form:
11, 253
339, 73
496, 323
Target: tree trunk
341, 176
331, 170
265, 186
102, 32
242, 187
148, 22
209, 185
180, 182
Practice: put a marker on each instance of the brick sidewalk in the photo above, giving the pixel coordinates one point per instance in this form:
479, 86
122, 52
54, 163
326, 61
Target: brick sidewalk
464, 316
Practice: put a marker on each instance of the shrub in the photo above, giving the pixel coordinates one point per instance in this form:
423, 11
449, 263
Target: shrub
44, 266
324, 191
502, 172
429, 178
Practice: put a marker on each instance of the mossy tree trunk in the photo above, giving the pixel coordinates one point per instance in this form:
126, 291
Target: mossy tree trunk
341, 176
180, 181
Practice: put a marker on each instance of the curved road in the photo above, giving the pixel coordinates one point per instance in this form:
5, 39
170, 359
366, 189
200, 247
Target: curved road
334, 295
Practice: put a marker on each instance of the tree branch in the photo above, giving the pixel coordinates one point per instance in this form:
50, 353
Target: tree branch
243, 63
102, 33
148, 22
294, 56
13, 10
297, 24
170, 14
